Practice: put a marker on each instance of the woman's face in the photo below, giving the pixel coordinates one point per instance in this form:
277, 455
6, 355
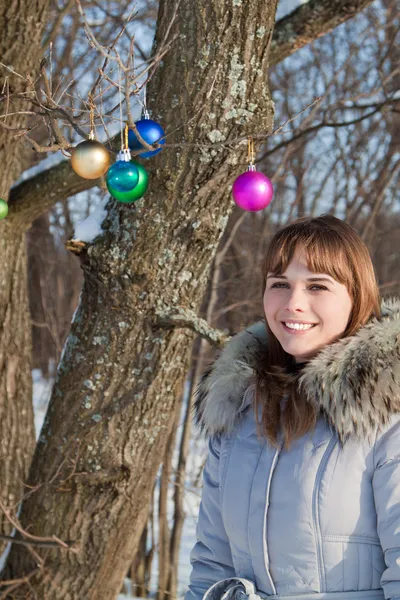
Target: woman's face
305, 310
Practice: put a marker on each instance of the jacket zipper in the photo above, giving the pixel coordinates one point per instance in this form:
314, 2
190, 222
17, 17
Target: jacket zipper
265, 549
316, 512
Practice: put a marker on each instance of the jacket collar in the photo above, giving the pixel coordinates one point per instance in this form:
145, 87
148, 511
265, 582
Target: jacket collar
355, 381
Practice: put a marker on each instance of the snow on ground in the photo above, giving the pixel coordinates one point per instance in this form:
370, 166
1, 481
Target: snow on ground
41, 395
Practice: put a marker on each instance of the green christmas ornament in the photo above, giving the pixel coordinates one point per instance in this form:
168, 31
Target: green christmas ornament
3, 208
137, 192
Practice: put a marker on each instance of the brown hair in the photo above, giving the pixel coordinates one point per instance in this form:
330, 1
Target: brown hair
333, 247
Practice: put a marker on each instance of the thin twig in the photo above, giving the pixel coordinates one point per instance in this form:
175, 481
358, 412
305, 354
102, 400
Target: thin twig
13, 584
15, 523
21, 542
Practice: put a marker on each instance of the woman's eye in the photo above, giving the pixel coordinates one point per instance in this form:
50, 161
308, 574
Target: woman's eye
279, 285
318, 287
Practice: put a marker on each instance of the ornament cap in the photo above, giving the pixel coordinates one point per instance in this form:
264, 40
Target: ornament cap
124, 155
251, 167
146, 114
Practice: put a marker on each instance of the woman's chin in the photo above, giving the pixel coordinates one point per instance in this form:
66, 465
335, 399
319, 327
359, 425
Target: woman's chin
299, 351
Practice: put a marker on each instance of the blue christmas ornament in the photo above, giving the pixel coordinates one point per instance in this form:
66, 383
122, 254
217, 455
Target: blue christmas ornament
123, 175
150, 131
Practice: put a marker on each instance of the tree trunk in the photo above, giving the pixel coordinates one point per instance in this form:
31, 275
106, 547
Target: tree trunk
137, 570
140, 569
164, 534
42, 285
22, 26
17, 433
123, 368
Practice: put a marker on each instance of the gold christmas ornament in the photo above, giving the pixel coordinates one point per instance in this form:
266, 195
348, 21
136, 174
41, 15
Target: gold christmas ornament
90, 159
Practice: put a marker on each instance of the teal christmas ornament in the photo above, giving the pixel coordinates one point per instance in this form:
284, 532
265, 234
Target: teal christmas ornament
150, 131
123, 175
137, 192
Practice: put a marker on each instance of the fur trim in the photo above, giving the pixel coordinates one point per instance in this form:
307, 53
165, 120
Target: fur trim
355, 382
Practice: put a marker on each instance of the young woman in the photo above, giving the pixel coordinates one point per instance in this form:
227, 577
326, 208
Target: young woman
301, 489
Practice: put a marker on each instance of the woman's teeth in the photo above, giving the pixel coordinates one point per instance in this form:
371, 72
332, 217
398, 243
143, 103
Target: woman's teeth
300, 326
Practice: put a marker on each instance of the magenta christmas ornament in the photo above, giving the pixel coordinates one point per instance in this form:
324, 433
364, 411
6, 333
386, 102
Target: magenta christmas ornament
252, 191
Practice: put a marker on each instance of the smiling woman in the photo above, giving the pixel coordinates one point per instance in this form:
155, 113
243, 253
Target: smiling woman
301, 487
319, 286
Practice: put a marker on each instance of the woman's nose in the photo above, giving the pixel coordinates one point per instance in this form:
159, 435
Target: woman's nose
296, 301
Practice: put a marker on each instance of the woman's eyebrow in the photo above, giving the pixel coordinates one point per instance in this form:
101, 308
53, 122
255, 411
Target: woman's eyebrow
320, 279
307, 279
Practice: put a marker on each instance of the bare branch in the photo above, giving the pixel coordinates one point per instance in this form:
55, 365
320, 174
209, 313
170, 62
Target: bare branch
308, 22
187, 318
13, 584
314, 128
12, 70
22, 542
15, 523
61, 14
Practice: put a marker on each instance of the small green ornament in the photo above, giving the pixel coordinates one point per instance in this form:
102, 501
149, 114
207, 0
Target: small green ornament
3, 208
137, 192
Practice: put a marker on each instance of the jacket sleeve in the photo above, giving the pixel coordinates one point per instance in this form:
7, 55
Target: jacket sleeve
386, 486
211, 557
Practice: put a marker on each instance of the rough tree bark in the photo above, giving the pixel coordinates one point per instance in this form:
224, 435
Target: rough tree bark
21, 25
122, 368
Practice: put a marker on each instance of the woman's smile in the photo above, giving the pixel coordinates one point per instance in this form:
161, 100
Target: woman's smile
297, 327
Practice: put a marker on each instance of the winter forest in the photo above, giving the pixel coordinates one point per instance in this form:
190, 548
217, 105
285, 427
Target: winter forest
111, 311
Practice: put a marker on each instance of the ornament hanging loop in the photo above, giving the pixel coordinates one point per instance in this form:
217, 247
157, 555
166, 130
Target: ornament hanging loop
126, 146
251, 154
146, 112
125, 154
91, 117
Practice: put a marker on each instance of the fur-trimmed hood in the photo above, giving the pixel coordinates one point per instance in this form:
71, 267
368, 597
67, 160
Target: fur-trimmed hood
355, 381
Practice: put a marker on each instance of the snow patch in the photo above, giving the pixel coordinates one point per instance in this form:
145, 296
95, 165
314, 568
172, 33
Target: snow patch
91, 227
41, 395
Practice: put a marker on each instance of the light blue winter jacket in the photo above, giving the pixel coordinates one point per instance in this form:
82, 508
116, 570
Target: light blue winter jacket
322, 520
